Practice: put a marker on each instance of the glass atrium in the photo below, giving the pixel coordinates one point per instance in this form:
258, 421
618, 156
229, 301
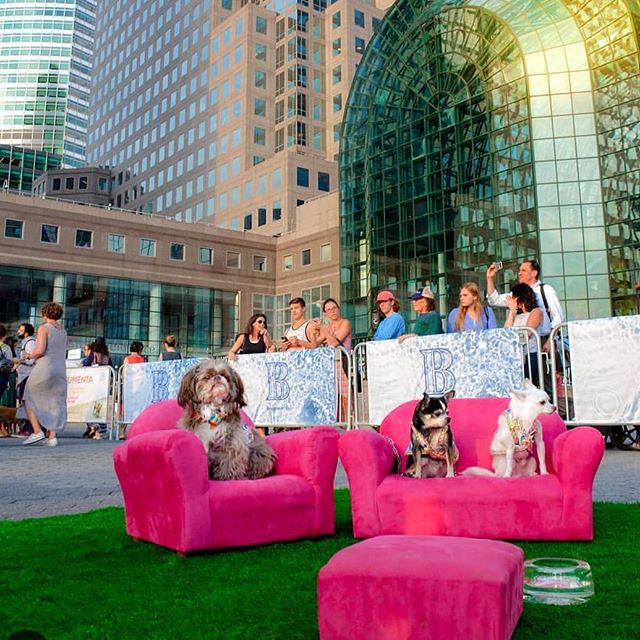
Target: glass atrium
484, 130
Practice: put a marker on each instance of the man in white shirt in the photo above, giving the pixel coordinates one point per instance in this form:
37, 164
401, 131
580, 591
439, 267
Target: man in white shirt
529, 273
25, 333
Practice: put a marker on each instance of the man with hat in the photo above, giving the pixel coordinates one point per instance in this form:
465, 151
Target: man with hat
428, 321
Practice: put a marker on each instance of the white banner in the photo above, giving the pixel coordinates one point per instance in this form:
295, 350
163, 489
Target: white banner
297, 387
87, 394
605, 360
473, 364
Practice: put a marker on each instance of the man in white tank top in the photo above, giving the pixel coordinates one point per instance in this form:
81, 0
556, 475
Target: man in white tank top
301, 334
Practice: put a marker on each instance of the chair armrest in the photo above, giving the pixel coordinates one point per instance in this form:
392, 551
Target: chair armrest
165, 481
576, 455
309, 453
367, 459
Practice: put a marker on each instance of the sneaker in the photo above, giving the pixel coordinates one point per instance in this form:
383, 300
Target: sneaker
22, 434
34, 437
52, 442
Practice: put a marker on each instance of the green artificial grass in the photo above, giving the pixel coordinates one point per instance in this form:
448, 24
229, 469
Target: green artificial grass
80, 576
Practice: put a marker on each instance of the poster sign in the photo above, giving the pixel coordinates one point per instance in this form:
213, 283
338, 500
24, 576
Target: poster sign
87, 394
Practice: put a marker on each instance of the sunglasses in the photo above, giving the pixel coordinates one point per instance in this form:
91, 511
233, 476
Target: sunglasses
261, 322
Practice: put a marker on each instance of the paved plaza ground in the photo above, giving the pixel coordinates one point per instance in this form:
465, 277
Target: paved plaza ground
78, 476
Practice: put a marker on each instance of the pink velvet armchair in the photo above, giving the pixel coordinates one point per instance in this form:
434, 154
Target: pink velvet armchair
170, 501
557, 506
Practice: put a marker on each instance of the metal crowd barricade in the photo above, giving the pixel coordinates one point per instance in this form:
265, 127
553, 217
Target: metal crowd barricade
110, 401
343, 366
359, 380
622, 434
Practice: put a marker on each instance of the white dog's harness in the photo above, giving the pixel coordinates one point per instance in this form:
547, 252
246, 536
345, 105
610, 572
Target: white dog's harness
523, 439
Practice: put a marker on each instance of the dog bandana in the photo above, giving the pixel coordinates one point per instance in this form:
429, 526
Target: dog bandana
213, 415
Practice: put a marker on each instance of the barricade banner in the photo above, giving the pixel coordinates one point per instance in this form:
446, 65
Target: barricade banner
87, 394
297, 387
475, 365
604, 370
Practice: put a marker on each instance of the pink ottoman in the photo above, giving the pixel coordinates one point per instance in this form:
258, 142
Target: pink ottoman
427, 587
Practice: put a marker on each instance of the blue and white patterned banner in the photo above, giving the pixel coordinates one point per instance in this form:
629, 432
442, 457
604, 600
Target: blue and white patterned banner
605, 357
297, 387
475, 365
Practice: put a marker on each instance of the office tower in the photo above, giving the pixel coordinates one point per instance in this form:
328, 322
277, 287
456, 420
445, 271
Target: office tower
223, 111
45, 74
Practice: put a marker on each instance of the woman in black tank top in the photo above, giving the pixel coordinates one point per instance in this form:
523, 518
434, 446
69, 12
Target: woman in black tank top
254, 339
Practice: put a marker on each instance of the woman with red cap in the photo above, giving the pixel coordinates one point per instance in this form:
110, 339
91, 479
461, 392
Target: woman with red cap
392, 325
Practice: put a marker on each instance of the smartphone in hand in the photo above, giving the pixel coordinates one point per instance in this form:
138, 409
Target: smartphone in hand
498, 265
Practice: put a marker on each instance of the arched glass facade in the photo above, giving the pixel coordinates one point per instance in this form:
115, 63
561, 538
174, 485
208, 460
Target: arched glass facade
484, 130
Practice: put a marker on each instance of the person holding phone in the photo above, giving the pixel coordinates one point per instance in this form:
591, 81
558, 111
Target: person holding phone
254, 339
301, 334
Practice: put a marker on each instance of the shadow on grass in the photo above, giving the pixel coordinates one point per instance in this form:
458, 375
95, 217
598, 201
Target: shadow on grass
81, 576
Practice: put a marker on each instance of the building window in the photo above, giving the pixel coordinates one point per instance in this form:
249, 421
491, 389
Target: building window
375, 24
358, 18
335, 20
260, 263
261, 52
261, 25
336, 74
260, 81
305, 257
260, 107
115, 243
337, 102
102, 184
56, 184
302, 177
176, 251
147, 248
325, 252
205, 255
277, 210
84, 238
262, 217
13, 229
314, 298
227, 4
68, 184
360, 45
83, 182
336, 47
248, 222
259, 135
287, 263
324, 181
49, 233
233, 260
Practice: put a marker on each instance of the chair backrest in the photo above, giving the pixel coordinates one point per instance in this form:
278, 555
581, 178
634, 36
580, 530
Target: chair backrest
164, 415
473, 422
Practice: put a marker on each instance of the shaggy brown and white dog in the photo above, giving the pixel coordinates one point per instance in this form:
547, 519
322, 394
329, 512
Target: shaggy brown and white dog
212, 394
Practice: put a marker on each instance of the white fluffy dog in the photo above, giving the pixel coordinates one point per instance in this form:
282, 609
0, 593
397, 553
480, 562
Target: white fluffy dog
212, 394
518, 430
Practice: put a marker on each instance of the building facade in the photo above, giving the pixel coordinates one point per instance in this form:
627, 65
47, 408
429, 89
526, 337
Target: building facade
490, 130
140, 277
224, 111
45, 76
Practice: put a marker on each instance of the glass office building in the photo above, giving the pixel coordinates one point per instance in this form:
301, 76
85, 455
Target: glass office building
482, 130
20, 167
46, 49
204, 321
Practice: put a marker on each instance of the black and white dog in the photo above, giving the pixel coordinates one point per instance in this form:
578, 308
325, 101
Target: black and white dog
432, 452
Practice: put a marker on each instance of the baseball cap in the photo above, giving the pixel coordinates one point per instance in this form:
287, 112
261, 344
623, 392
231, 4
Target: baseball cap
422, 292
383, 296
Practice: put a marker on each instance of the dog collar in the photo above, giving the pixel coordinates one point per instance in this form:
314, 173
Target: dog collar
214, 419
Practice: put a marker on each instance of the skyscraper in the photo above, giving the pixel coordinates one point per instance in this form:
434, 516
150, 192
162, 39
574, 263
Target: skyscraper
46, 49
228, 111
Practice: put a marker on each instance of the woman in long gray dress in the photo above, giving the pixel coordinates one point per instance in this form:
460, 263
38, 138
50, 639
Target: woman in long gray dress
45, 395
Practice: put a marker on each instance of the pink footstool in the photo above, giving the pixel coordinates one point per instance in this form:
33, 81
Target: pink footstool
427, 587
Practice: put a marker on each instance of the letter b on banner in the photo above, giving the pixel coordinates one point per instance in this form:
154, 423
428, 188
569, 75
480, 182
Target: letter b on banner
277, 385
438, 377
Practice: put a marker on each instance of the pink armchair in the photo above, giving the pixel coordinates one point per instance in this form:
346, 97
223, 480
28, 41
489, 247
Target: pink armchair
169, 499
557, 506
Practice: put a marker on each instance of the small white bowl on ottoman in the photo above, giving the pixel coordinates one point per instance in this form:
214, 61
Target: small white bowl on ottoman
427, 587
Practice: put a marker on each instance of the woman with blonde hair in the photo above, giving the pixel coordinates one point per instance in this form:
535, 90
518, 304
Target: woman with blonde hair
471, 314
